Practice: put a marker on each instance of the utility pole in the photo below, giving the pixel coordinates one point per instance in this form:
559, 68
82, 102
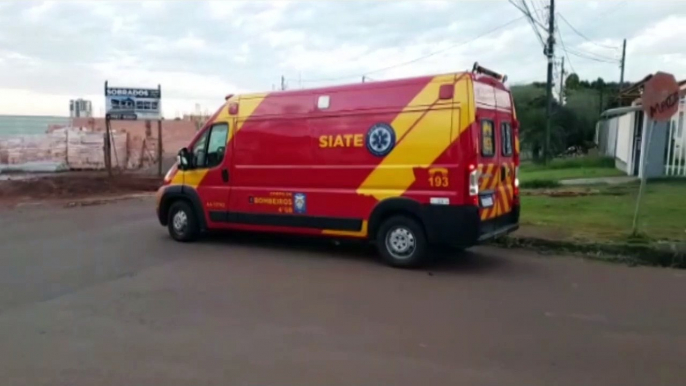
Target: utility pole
562, 82
621, 77
283, 83
364, 77
550, 53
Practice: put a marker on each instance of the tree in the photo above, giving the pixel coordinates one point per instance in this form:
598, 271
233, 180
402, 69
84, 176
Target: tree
572, 124
572, 82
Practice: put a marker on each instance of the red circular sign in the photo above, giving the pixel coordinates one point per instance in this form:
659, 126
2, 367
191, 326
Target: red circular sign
661, 97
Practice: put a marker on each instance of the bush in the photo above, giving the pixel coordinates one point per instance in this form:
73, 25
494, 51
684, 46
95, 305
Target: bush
540, 184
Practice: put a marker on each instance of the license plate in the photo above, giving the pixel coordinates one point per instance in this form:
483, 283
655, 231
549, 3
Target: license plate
486, 201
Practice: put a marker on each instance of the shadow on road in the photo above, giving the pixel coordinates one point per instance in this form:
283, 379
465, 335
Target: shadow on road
457, 262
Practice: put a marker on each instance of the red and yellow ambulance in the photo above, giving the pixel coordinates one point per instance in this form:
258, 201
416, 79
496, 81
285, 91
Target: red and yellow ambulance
405, 163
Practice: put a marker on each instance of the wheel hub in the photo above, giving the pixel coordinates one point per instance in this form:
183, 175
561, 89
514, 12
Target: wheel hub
180, 221
400, 242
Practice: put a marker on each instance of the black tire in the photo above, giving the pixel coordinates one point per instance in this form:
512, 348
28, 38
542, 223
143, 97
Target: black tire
186, 233
398, 233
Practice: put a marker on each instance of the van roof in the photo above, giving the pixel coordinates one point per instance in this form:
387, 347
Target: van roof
354, 86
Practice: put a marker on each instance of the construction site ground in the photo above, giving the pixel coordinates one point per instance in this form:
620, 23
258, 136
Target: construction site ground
18, 189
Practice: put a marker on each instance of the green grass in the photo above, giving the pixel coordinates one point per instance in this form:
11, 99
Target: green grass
569, 168
608, 215
567, 174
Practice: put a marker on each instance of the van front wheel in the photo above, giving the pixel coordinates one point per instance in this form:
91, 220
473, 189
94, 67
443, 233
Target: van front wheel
182, 223
402, 243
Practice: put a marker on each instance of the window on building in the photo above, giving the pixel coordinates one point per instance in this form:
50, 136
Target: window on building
506, 138
487, 139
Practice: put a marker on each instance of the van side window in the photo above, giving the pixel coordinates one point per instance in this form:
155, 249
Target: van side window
506, 138
487, 139
199, 150
209, 151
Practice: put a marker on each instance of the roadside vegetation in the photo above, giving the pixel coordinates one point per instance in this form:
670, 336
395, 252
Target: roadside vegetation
597, 219
605, 213
548, 176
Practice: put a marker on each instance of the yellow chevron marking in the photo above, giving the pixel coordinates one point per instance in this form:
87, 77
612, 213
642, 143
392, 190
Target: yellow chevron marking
425, 135
248, 106
360, 233
246, 109
487, 177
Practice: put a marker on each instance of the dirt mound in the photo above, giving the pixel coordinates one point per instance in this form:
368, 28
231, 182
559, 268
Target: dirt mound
75, 185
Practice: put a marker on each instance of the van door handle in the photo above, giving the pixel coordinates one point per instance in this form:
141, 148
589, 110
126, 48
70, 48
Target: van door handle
225, 175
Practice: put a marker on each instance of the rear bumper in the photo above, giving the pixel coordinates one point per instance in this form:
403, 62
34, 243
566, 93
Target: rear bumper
461, 226
500, 226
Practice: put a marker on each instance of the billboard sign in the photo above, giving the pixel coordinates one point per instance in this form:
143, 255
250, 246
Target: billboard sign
123, 103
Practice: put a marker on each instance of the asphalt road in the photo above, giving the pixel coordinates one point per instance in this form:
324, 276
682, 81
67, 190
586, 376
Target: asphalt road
101, 295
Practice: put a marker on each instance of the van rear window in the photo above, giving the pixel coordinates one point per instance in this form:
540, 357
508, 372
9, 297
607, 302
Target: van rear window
487, 139
506, 138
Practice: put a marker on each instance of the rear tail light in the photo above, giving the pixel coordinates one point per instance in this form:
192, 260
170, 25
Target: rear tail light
474, 184
516, 186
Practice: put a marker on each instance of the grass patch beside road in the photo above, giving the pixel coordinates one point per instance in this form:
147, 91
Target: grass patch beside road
564, 169
604, 214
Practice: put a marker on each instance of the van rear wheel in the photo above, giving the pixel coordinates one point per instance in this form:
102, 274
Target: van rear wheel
402, 243
182, 223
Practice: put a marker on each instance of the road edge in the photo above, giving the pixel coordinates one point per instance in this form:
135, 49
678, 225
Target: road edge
629, 254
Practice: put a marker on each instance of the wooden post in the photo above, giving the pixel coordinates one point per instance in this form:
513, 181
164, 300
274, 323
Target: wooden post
159, 148
108, 147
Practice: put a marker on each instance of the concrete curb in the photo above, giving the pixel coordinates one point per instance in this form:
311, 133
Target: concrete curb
645, 255
88, 201
91, 201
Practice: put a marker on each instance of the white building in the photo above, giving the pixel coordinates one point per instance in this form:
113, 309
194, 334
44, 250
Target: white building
622, 135
80, 108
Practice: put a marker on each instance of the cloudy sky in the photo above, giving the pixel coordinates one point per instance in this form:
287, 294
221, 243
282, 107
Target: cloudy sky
52, 51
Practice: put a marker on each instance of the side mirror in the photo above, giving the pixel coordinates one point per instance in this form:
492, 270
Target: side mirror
183, 159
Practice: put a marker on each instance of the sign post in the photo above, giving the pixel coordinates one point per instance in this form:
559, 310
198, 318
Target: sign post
125, 103
660, 102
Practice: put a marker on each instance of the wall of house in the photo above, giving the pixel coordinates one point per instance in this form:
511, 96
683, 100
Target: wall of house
624, 145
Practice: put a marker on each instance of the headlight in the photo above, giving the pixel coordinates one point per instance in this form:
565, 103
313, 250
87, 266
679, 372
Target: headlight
170, 174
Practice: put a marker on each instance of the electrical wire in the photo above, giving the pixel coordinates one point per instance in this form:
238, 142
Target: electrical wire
583, 55
538, 8
434, 53
534, 23
564, 49
530, 19
584, 36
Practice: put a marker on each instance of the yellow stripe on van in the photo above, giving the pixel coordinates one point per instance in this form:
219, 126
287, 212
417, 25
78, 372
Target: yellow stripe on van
361, 233
418, 147
246, 109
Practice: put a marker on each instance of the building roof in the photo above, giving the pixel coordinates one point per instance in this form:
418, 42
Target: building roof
634, 91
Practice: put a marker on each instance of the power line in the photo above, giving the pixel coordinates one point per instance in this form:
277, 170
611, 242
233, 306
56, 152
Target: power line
610, 10
584, 36
523, 8
530, 19
538, 8
533, 22
581, 54
564, 48
418, 58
